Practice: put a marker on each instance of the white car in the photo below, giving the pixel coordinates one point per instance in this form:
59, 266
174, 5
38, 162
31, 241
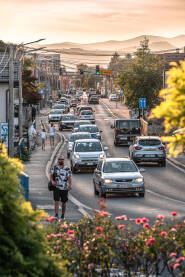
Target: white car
55, 115
113, 97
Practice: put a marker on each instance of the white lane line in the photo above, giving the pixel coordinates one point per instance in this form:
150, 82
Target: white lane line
109, 110
176, 166
166, 197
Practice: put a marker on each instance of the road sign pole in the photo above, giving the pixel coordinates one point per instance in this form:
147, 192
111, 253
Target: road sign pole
11, 104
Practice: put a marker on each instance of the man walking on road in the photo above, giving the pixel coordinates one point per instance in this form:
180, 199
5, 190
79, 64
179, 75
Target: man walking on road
61, 178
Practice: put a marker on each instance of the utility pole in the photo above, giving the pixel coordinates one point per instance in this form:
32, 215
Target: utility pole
20, 101
11, 103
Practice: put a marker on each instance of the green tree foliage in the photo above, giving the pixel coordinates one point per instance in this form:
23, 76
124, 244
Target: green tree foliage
172, 109
30, 91
23, 247
142, 77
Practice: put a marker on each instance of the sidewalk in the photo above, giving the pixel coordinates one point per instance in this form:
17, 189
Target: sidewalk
123, 112
39, 196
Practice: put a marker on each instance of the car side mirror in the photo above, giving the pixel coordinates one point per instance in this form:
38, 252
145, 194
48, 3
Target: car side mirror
106, 148
142, 169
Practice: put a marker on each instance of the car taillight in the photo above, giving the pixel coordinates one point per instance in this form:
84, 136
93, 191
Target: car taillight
137, 148
161, 148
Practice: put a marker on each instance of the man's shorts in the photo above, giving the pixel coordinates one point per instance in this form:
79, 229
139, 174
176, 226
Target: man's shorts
60, 195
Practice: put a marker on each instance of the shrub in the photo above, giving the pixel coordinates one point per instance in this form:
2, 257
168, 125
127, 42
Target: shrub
98, 246
23, 248
24, 155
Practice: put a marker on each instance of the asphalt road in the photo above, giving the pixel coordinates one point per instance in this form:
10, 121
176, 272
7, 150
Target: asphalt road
165, 187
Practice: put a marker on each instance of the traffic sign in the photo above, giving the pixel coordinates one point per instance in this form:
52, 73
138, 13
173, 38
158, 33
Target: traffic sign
4, 133
142, 103
106, 72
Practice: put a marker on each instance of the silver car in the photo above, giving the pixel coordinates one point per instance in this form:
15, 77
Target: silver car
118, 175
55, 115
80, 122
67, 121
73, 138
86, 154
148, 149
87, 115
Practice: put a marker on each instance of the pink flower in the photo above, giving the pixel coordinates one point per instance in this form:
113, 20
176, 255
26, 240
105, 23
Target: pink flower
144, 219
78, 242
164, 234
180, 259
118, 218
173, 254
146, 225
174, 213
121, 226
103, 213
176, 265
64, 226
138, 221
50, 219
53, 235
58, 235
160, 216
90, 266
150, 242
173, 230
123, 217
100, 229
70, 231
48, 236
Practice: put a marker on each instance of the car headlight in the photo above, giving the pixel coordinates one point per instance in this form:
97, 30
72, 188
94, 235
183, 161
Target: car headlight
107, 181
101, 156
139, 180
77, 156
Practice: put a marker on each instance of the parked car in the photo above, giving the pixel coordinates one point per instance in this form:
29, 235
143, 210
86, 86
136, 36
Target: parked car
73, 138
118, 175
93, 129
86, 154
80, 122
113, 97
125, 130
55, 115
93, 100
87, 115
67, 121
148, 149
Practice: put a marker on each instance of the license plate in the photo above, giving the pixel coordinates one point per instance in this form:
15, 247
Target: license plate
90, 163
150, 156
122, 186
123, 138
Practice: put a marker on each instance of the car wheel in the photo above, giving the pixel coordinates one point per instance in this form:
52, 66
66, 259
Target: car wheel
73, 169
141, 194
95, 190
68, 155
163, 163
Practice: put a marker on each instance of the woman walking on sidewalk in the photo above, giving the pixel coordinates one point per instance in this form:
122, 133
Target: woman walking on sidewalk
52, 135
43, 137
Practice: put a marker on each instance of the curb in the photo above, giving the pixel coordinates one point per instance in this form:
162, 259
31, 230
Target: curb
177, 163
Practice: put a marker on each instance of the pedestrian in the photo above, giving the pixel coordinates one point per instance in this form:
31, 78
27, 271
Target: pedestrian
43, 137
52, 135
61, 178
33, 113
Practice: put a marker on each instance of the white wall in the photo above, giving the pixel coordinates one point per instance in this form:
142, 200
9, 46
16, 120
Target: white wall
3, 88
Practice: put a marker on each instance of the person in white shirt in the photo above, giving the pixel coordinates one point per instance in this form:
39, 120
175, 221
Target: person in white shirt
52, 135
43, 137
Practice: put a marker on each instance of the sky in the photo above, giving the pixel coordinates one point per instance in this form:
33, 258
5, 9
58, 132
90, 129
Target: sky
85, 21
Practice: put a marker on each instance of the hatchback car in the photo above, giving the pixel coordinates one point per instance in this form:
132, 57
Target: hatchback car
67, 121
86, 154
87, 115
60, 107
118, 175
55, 115
93, 129
93, 100
148, 149
80, 108
73, 138
80, 122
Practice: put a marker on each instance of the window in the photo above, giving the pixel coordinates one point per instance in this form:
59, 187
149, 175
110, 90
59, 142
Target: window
119, 166
149, 142
88, 147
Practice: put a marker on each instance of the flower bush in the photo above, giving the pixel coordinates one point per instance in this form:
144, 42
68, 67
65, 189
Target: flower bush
98, 246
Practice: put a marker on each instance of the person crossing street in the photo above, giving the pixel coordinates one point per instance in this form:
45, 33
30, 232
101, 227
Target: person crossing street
60, 177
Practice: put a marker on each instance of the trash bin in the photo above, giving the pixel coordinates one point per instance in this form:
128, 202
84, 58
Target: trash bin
24, 181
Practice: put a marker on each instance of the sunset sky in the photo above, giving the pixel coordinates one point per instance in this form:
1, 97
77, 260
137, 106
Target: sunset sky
87, 21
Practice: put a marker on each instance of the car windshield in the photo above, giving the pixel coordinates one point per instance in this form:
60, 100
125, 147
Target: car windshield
119, 166
78, 123
86, 113
86, 108
90, 129
55, 112
68, 117
132, 126
94, 146
81, 136
149, 142
59, 107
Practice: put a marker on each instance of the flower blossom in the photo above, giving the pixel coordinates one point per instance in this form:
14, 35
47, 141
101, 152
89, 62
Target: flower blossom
118, 217
173, 213
123, 217
173, 254
70, 231
164, 234
138, 221
144, 219
180, 259
121, 226
160, 216
146, 225
99, 229
103, 213
90, 266
176, 265
173, 230
50, 219
150, 242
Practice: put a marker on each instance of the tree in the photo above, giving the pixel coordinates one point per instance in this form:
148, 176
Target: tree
30, 92
142, 78
23, 246
172, 109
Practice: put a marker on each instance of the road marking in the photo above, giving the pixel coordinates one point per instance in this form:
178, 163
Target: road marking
165, 197
176, 166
